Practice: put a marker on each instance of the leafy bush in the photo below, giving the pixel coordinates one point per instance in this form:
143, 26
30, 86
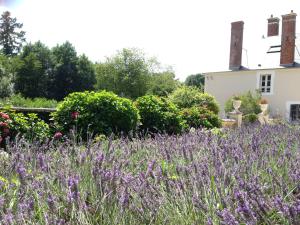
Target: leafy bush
200, 117
186, 97
249, 103
159, 115
97, 112
250, 118
29, 126
19, 101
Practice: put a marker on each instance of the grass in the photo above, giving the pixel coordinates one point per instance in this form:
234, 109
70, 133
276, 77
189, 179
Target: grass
19, 101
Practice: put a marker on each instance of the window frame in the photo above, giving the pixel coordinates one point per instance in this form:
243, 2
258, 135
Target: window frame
259, 77
288, 108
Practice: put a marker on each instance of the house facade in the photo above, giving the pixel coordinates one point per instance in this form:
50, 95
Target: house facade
280, 85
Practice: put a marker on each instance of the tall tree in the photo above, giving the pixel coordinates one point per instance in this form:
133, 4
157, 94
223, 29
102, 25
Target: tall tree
196, 80
11, 37
128, 73
70, 73
163, 83
86, 78
65, 70
8, 66
33, 75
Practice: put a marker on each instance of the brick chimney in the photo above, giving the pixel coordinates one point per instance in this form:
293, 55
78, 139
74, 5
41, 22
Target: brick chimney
288, 37
236, 45
273, 26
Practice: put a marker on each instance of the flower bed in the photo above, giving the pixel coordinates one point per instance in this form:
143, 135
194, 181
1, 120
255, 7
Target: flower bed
237, 176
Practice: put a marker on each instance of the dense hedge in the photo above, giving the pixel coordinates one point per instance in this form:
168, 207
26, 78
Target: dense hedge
199, 117
96, 112
159, 115
186, 97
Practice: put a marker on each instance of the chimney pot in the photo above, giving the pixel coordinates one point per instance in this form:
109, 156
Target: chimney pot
273, 26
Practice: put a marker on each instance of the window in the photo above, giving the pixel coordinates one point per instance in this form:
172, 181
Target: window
295, 112
265, 83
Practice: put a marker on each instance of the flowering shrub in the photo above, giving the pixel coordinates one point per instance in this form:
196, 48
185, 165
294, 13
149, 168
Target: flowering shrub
4, 127
28, 126
244, 176
96, 112
200, 117
159, 115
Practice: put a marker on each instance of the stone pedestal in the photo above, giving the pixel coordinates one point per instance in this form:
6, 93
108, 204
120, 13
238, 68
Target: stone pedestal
237, 116
263, 117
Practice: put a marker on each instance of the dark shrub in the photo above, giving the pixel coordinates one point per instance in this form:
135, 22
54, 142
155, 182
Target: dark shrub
200, 117
97, 112
250, 118
159, 115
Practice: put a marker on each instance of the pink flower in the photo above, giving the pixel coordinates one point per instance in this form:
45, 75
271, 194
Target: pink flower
57, 135
74, 115
4, 116
3, 124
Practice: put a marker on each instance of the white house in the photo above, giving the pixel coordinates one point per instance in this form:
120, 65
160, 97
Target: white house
280, 84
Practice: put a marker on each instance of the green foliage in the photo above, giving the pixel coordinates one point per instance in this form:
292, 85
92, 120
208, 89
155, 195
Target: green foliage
86, 78
129, 73
196, 80
33, 77
98, 112
20, 101
56, 72
126, 74
29, 126
249, 103
186, 97
8, 66
6, 86
68, 75
159, 115
162, 84
200, 117
250, 118
11, 38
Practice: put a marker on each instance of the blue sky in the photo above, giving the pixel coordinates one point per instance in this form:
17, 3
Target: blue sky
192, 36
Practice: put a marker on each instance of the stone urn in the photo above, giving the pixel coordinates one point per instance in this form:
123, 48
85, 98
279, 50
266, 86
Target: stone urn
264, 108
236, 105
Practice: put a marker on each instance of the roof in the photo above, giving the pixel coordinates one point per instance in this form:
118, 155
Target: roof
260, 69
255, 56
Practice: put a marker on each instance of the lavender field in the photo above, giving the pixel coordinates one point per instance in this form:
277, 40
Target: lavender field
243, 176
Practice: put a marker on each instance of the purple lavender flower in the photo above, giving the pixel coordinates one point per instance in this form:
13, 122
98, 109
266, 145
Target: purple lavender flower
228, 218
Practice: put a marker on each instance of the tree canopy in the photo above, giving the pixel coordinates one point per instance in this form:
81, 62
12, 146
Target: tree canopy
35, 70
196, 80
11, 37
53, 73
129, 73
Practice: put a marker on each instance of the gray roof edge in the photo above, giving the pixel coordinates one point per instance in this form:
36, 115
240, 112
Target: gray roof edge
258, 69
